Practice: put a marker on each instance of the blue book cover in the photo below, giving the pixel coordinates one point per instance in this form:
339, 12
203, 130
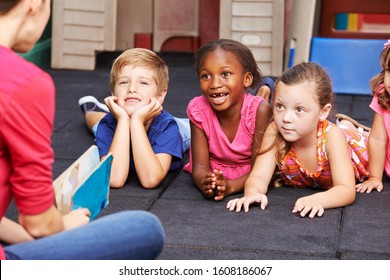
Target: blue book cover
85, 184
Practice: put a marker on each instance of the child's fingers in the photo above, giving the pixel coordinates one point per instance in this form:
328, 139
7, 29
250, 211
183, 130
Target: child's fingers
110, 100
321, 212
231, 204
316, 211
361, 188
220, 188
235, 204
207, 180
378, 186
245, 202
299, 207
304, 211
263, 202
155, 104
219, 174
368, 186
208, 192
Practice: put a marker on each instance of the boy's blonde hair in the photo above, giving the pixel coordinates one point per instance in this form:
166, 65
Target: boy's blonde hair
140, 57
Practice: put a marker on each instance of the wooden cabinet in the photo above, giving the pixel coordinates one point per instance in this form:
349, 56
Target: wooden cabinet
79, 29
258, 24
82, 28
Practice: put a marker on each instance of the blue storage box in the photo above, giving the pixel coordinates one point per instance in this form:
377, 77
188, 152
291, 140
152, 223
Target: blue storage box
350, 63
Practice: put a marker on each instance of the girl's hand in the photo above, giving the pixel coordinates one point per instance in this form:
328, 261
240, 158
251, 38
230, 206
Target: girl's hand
147, 113
116, 110
208, 185
76, 218
220, 183
307, 204
246, 201
369, 185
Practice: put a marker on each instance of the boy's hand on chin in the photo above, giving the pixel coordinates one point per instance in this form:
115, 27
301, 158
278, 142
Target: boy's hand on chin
149, 112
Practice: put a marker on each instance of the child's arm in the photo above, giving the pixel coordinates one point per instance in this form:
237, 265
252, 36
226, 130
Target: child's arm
207, 181
51, 221
120, 147
151, 168
12, 233
263, 118
224, 187
256, 186
343, 191
377, 153
201, 174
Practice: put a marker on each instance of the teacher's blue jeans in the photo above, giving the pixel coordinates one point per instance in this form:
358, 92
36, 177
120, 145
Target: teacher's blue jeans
121, 236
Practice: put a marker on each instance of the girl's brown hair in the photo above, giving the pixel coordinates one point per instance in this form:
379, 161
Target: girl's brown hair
377, 80
306, 72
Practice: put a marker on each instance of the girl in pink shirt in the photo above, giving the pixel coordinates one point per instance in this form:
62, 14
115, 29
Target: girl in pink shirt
378, 141
225, 119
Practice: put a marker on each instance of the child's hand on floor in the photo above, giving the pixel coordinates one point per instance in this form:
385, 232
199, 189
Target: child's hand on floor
369, 185
247, 200
311, 205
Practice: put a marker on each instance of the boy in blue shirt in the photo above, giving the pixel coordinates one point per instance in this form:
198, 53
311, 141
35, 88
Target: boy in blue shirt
144, 139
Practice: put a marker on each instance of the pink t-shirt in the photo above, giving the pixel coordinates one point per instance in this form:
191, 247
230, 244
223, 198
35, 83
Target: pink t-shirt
27, 98
386, 119
232, 158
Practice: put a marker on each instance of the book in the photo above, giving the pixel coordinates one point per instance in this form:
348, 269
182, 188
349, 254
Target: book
84, 184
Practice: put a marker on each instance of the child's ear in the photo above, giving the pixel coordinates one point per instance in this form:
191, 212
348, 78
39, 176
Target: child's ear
248, 79
325, 112
161, 95
34, 5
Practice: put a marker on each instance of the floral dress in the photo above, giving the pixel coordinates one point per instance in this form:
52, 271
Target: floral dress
294, 174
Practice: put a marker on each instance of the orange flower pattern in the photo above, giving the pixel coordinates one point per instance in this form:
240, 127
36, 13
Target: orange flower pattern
295, 175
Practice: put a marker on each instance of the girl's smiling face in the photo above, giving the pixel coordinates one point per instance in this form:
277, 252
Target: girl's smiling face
222, 79
297, 111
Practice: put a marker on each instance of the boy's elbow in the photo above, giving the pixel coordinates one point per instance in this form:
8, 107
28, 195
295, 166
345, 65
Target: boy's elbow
116, 184
150, 183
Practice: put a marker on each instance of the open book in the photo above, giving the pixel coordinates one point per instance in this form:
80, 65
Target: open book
86, 183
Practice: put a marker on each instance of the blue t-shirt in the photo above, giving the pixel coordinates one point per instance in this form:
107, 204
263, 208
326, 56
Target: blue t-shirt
163, 134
